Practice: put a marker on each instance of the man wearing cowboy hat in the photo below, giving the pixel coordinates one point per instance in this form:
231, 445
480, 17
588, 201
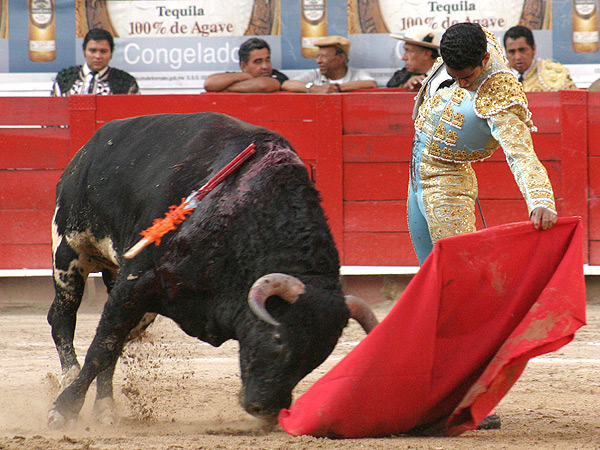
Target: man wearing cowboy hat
420, 52
333, 75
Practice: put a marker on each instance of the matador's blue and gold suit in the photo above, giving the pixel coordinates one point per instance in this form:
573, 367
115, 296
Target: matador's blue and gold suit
456, 126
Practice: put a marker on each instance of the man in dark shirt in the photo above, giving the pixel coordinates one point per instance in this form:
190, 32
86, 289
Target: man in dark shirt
420, 52
257, 73
95, 76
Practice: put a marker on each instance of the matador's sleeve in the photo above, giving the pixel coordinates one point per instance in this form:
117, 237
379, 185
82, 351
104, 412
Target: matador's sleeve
531, 176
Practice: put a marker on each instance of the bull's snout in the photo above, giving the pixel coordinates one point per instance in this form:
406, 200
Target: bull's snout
268, 418
266, 413
259, 412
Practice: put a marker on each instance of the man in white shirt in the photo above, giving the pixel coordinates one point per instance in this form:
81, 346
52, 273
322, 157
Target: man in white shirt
535, 74
333, 75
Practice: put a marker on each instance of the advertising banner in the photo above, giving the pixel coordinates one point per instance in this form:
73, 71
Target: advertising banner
177, 43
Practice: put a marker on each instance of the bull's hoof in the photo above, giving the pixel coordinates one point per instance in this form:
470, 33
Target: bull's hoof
68, 376
56, 421
105, 411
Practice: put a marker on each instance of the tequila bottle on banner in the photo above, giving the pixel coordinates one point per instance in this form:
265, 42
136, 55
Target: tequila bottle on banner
3, 19
42, 30
313, 25
585, 26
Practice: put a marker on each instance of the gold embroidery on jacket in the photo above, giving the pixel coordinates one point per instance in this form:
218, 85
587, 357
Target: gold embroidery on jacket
530, 175
449, 192
458, 96
451, 137
500, 92
458, 120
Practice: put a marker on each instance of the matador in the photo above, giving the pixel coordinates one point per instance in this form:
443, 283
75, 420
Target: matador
462, 120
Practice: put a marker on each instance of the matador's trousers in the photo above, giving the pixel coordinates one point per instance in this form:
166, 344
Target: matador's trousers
441, 201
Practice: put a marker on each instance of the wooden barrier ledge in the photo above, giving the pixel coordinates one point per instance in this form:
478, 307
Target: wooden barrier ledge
355, 145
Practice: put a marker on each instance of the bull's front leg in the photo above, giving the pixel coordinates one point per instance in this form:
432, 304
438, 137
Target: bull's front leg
104, 406
69, 283
121, 314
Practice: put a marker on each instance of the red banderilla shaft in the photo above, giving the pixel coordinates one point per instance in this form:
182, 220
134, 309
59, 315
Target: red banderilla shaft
178, 214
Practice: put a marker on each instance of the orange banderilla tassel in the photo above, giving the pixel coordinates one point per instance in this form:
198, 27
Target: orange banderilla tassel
178, 214
173, 217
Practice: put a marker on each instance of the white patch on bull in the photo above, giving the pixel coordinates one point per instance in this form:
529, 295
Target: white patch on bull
85, 243
56, 238
105, 411
91, 252
62, 277
68, 376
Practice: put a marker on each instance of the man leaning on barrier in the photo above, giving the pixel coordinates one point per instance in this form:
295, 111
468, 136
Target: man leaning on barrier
257, 75
333, 75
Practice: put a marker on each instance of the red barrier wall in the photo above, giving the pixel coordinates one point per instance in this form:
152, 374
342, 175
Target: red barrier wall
356, 146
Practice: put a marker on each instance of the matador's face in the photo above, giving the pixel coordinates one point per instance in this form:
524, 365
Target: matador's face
467, 76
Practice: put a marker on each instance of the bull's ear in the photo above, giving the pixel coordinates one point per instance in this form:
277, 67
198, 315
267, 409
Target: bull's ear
361, 312
285, 286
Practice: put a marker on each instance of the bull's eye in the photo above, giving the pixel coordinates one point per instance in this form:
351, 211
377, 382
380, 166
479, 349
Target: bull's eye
280, 348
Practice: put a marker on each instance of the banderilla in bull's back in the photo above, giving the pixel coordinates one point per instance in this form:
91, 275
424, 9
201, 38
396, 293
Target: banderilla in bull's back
178, 213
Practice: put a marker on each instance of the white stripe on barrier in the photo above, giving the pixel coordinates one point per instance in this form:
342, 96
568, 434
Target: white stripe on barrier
344, 271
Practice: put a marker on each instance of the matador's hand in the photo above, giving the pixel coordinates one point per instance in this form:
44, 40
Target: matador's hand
543, 218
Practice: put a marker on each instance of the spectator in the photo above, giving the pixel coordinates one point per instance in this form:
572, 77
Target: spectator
420, 52
333, 74
95, 76
257, 73
536, 74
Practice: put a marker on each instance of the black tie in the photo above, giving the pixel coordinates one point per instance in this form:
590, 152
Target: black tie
92, 86
520, 78
446, 83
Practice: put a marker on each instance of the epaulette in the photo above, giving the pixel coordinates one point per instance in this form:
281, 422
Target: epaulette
66, 78
120, 82
499, 92
553, 75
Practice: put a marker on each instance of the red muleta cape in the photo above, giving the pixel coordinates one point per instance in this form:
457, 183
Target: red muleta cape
458, 338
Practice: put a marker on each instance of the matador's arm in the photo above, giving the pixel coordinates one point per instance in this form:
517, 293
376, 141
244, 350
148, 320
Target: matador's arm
531, 176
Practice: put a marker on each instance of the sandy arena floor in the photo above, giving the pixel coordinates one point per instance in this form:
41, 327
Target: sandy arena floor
174, 392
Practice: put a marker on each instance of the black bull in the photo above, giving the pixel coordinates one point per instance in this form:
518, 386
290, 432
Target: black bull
264, 219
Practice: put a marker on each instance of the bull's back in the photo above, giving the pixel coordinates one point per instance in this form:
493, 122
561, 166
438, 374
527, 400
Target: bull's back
132, 170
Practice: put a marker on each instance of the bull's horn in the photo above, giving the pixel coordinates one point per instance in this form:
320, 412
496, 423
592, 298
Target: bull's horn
280, 284
361, 312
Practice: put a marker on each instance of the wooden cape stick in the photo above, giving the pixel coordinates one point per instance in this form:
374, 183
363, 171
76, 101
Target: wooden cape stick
178, 214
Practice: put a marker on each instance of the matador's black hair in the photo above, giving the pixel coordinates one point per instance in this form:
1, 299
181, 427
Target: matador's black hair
463, 45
